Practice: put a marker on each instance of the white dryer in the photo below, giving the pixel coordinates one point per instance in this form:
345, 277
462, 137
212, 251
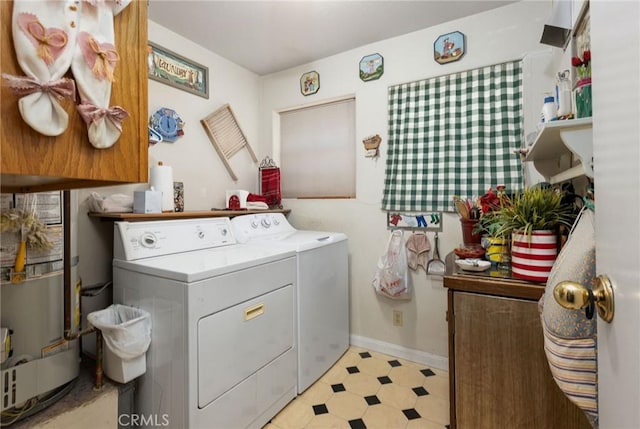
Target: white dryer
323, 287
223, 347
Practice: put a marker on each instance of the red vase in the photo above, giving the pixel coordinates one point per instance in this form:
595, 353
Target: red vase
468, 236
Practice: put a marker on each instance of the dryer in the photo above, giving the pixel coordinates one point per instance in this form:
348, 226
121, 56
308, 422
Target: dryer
223, 346
323, 287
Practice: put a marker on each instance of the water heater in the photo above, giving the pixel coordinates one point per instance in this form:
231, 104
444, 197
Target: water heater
37, 361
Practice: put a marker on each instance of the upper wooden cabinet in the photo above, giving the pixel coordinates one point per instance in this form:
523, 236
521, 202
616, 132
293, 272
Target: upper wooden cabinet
32, 162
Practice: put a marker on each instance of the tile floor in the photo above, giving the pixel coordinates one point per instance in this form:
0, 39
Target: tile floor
366, 389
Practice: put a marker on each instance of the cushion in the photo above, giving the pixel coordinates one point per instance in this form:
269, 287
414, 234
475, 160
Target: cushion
569, 337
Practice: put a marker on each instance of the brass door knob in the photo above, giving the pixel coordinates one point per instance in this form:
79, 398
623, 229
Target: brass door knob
575, 296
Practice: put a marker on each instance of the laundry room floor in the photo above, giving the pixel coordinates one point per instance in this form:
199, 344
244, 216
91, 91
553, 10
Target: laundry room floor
367, 389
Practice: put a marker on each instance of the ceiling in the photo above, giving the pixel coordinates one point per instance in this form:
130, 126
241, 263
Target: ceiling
273, 35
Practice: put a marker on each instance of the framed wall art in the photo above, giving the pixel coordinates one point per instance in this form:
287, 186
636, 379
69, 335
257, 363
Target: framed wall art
175, 70
371, 67
309, 83
449, 47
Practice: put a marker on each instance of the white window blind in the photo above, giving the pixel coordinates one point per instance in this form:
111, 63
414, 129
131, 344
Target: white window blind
317, 154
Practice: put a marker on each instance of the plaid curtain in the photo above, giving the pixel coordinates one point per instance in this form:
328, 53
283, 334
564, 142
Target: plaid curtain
453, 135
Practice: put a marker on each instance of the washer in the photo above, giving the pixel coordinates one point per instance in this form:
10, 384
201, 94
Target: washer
223, 347
323, 288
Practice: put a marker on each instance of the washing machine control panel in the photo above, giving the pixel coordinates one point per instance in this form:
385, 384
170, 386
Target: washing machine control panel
260, 225
136, 240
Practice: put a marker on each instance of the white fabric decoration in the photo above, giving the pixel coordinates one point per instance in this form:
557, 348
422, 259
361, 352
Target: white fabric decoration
44, 36
93, 62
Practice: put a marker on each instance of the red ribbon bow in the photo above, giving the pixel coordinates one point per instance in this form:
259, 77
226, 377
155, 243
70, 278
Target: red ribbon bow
23, 85
92, 113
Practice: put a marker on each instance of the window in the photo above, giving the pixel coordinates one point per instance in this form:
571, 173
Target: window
317, 154
453, 135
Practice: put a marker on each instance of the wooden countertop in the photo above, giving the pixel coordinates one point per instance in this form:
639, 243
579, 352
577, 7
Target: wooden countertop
490, 282
509, 288
137, 217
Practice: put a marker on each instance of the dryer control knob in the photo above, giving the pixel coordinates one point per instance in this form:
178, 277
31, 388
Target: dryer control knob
276, 221
266, 222
148, 240
254, 224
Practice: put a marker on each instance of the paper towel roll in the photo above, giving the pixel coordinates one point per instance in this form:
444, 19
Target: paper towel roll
161, 178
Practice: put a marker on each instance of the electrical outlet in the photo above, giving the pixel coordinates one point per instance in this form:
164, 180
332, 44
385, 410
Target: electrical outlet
397, 318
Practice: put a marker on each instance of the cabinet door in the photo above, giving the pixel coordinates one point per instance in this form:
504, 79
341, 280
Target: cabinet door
502, 379
31, 161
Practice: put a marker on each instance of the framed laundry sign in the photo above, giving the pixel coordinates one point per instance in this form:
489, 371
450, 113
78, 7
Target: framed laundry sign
429, 221
175, 70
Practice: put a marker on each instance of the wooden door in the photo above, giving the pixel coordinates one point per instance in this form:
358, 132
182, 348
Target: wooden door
616, 139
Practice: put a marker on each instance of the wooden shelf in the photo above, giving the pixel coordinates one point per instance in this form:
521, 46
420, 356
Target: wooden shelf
559, 145
139, 217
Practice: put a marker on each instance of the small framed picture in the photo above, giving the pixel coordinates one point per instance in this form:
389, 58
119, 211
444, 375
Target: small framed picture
309, 83
371, 67
449, 47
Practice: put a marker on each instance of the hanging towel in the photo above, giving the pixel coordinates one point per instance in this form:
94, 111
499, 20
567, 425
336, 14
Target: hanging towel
270, 182
418, 247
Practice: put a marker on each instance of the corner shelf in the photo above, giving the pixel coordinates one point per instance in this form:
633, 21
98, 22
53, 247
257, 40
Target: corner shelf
559, 145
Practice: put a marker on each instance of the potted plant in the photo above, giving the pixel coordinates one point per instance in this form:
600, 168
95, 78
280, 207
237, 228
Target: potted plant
490, 225
531, 219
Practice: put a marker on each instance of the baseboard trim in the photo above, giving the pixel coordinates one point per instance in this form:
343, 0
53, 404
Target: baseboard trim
425, 358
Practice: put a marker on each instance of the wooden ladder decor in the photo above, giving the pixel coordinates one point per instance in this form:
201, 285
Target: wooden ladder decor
226, 136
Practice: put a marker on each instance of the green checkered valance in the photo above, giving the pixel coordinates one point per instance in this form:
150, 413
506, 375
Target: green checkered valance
453, 135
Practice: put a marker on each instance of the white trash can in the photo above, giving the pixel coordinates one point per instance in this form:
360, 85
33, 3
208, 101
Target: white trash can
127, 334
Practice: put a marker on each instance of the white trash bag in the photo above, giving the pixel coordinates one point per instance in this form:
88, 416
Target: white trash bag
391, 278
126, 330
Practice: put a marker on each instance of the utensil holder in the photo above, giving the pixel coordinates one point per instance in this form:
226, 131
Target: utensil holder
468, 236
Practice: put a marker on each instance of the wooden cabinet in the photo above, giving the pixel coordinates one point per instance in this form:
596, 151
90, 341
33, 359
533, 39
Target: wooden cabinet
32, 162
499, 375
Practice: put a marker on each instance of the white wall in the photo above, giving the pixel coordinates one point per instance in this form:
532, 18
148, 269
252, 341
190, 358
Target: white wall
192, 157
504, 34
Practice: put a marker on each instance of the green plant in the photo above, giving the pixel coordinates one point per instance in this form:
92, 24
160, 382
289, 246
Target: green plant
489, 224
535, 208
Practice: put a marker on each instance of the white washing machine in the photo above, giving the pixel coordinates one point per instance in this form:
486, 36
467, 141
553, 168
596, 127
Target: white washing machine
223, 346
323, 288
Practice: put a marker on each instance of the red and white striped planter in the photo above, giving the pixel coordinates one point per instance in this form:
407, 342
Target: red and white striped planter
532, 257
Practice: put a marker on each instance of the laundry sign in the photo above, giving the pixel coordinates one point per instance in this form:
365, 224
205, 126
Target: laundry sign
175, 70
429, 221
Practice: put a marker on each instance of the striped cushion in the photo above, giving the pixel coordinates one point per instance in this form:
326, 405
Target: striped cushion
573, 364
569, 337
